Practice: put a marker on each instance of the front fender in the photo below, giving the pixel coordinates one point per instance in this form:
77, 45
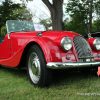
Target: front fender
50, 49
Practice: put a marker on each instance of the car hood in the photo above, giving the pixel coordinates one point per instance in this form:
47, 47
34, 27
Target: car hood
56, 35
52, 35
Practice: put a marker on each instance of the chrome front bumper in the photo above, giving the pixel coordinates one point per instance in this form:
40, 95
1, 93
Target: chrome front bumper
60, 65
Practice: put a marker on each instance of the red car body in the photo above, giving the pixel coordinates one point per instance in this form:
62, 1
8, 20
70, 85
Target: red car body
42, 50
11, 50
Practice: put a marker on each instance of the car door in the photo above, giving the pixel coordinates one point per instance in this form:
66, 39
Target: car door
5, 47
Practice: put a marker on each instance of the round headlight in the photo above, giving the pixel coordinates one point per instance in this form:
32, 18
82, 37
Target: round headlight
97, 43
66, 43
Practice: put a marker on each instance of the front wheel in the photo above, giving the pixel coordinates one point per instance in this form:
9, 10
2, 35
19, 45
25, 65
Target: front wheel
37, 70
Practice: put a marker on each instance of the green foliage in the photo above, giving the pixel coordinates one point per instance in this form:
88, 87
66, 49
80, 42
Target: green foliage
47, 23
3, 31
6, 10
11, 11
97, 8
75, 26
21, 13
96, 26
79, 11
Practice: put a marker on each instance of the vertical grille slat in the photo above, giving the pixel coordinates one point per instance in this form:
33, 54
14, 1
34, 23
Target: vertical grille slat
82, 48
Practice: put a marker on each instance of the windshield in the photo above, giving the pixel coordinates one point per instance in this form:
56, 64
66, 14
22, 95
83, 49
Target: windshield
18, 26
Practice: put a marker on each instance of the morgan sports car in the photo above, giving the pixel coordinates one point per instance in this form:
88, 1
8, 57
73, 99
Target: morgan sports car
43, 51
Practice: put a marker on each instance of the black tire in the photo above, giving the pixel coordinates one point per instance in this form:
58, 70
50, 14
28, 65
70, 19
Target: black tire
38, 73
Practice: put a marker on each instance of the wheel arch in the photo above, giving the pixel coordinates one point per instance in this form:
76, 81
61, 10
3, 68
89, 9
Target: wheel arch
25, 52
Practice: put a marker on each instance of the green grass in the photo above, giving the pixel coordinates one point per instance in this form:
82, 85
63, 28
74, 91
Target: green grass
14, 85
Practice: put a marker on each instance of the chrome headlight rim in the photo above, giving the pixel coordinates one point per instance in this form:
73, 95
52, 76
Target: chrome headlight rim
66, 43
96, 44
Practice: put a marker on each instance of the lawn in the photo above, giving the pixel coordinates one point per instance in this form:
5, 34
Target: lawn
14, 85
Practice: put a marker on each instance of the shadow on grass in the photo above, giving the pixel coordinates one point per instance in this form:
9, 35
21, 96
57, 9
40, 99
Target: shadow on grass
73, 76
14, 71
62, 77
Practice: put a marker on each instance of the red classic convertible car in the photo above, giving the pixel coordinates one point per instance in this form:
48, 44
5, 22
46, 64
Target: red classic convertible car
41, 51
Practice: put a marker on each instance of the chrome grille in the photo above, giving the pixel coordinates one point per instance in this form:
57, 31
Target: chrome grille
82, 48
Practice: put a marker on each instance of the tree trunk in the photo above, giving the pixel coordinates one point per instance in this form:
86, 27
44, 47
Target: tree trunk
90, 17
56, 16
56, 10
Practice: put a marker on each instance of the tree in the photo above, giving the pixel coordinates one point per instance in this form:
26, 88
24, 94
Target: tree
56, 10
11, 11
46, 23
5, 11
75, 25
97, 8
86, 9
21, 13
90, 16
96, 25
78, 13
82, 12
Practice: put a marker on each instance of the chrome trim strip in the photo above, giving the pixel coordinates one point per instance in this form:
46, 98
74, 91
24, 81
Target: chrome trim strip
60, 65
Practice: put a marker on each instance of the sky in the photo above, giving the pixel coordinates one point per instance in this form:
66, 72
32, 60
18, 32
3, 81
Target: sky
38, 8
1, 1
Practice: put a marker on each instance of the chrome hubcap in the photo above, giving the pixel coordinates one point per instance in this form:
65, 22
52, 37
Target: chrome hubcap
34, 67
